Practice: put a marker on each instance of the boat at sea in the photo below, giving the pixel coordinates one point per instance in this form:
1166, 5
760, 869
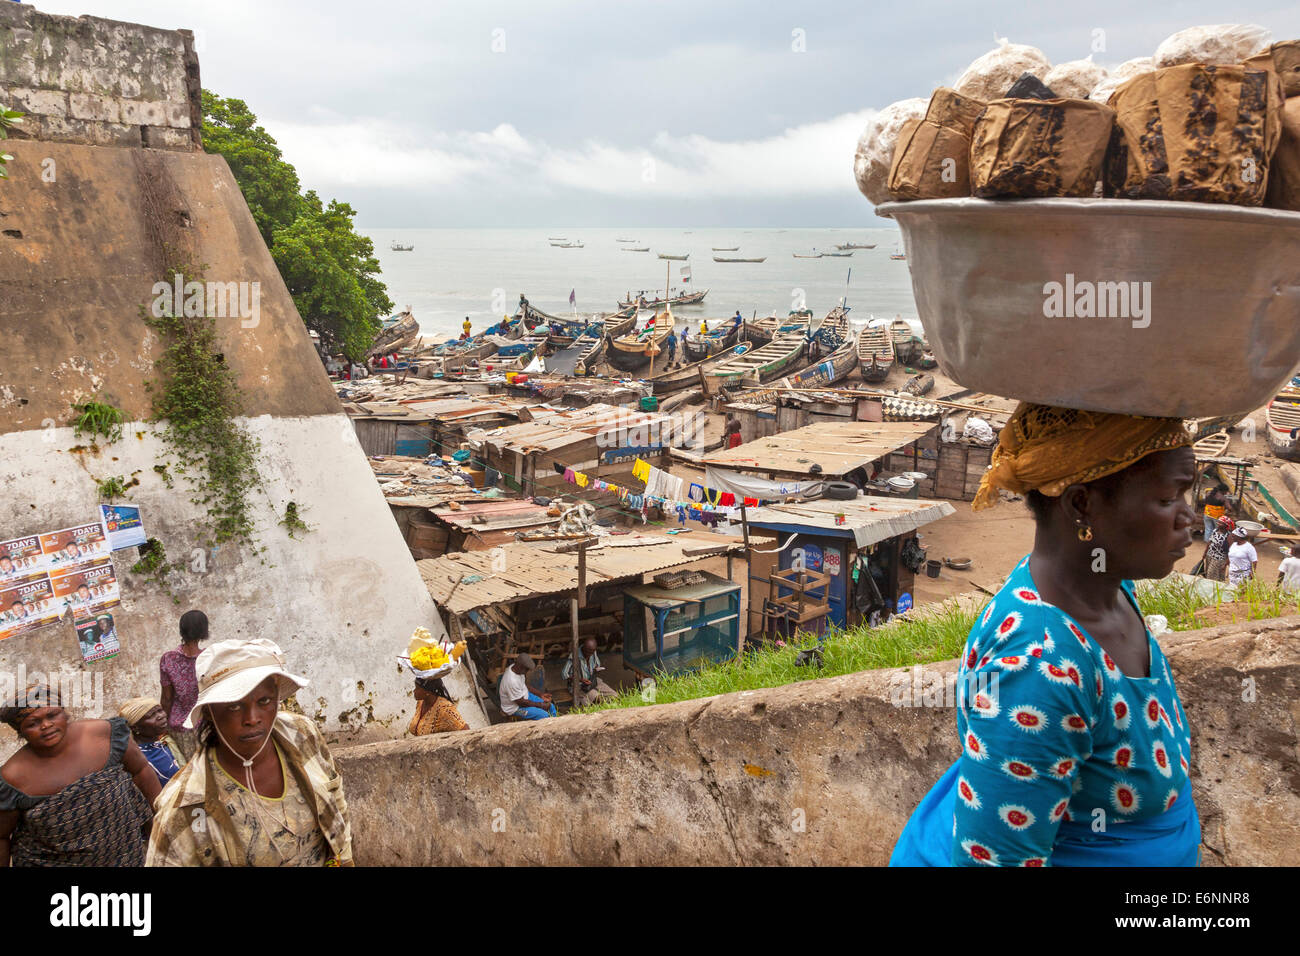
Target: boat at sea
875, 349
837, 255
1282, 418
716, 340
630, 249
815, 255
569, 245
726, 248
633, 352
907, 344
664, 255
763, 363
625, 240
399, 247
738, 259
856, 245
685, 298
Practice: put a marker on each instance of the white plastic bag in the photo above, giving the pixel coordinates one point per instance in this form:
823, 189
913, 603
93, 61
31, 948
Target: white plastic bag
978, 431
1221, 44
990, 76
875, 150
1121, 75
1075, 79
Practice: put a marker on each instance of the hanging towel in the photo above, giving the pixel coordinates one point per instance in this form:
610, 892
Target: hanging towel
696, 493
581, 478
726, 498
751, 502
641, 470
568, 475
661, 483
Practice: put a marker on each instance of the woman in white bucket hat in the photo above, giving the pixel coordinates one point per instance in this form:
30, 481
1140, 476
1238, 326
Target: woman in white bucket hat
262, 785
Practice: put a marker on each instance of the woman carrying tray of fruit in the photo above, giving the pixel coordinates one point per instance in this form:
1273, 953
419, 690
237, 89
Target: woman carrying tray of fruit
1075, 746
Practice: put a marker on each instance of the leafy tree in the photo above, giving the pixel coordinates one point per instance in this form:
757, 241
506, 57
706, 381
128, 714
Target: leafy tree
269, 184
331, 271
8, 119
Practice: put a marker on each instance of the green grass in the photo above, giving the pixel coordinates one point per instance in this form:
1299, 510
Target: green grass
936, 635
1178, 602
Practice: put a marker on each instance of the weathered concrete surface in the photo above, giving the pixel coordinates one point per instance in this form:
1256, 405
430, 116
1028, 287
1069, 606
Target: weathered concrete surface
79, 258
98, 82
823, 772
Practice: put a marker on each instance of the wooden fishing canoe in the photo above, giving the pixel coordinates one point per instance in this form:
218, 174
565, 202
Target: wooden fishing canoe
632, 352
721, 339
689, 376
907, 344
875, 353
760, 365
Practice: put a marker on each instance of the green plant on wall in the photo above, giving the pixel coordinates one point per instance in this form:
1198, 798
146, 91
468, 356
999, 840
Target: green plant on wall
8, 119
198, 399
97, 419
111, 488
292, 520
153, 564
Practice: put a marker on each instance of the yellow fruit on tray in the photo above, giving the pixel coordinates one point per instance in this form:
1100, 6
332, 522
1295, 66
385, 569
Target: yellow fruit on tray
429, 658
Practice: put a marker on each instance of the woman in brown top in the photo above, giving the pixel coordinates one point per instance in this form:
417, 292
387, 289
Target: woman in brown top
78, 793
435, 709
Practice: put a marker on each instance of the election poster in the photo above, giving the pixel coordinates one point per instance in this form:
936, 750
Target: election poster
97, 636
74, 547
87, 590
26, 604
21, 558
122, 526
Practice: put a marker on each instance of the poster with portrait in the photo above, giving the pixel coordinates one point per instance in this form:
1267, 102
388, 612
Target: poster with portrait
26, 604
123, 526
74, 547
21, 558
87, 590
97, 636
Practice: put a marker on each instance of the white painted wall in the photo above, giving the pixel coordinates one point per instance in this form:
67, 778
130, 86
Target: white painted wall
341, 601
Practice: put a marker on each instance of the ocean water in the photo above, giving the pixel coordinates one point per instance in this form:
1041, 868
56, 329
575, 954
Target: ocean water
454, 273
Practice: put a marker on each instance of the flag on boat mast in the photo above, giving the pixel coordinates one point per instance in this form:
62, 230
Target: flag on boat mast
573, 298
686, 274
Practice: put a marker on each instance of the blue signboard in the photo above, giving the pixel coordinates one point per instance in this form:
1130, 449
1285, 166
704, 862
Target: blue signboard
904, 602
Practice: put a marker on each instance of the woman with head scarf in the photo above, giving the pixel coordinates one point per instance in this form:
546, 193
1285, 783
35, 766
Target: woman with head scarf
262, 781
435, 709
1214, 563
78, 793
148, 722
1066, 710
1242, 557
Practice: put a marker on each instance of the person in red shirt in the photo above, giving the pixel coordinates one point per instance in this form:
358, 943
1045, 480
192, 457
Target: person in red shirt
733, 433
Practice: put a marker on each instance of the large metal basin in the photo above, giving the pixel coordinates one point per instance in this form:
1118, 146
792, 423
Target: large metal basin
1221, 333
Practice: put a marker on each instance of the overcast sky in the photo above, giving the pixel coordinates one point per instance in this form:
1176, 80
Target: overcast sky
540, 113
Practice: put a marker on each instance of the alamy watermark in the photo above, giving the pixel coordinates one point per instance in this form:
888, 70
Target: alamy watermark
218, 300
1085, 299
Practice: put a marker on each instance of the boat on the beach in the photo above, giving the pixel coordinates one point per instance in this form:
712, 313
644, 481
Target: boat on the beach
399, 247
691, 374
633, 351
457, 355
875, 352
664, 255
685, 298
856, 245
907, 344
398, 332
738, 259
763, 363
1282, 418
593, 347
716, 340
899, 256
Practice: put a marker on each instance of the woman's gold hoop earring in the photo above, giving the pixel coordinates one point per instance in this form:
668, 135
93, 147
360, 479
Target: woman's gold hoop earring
1085, 532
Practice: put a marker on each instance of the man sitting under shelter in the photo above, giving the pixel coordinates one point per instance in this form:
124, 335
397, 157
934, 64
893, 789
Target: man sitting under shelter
590, 686
517, 699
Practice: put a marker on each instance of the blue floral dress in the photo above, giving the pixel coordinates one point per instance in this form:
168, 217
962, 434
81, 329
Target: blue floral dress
1065, 759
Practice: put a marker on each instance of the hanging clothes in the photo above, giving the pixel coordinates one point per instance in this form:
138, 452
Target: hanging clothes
696, 493
641, 470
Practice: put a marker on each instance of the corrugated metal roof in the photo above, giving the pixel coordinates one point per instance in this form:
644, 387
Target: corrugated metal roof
868, 519
496, 514
533, 570
838, 447
554, 430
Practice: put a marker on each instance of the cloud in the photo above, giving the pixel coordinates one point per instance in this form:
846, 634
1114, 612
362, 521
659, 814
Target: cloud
812, 159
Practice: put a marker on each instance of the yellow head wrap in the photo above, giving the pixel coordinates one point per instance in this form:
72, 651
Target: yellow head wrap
136, 709
1046, 449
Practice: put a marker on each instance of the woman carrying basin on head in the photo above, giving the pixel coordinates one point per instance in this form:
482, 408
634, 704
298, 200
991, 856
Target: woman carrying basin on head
1067, 711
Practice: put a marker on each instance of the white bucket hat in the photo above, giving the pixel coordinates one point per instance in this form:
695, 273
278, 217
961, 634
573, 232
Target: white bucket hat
230, 670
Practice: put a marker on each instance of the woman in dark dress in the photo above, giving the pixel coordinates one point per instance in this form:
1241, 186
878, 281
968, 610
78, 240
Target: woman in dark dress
79, 793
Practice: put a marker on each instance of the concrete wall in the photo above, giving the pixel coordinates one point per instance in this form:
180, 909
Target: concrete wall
99, 82
85, 233
823, 772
